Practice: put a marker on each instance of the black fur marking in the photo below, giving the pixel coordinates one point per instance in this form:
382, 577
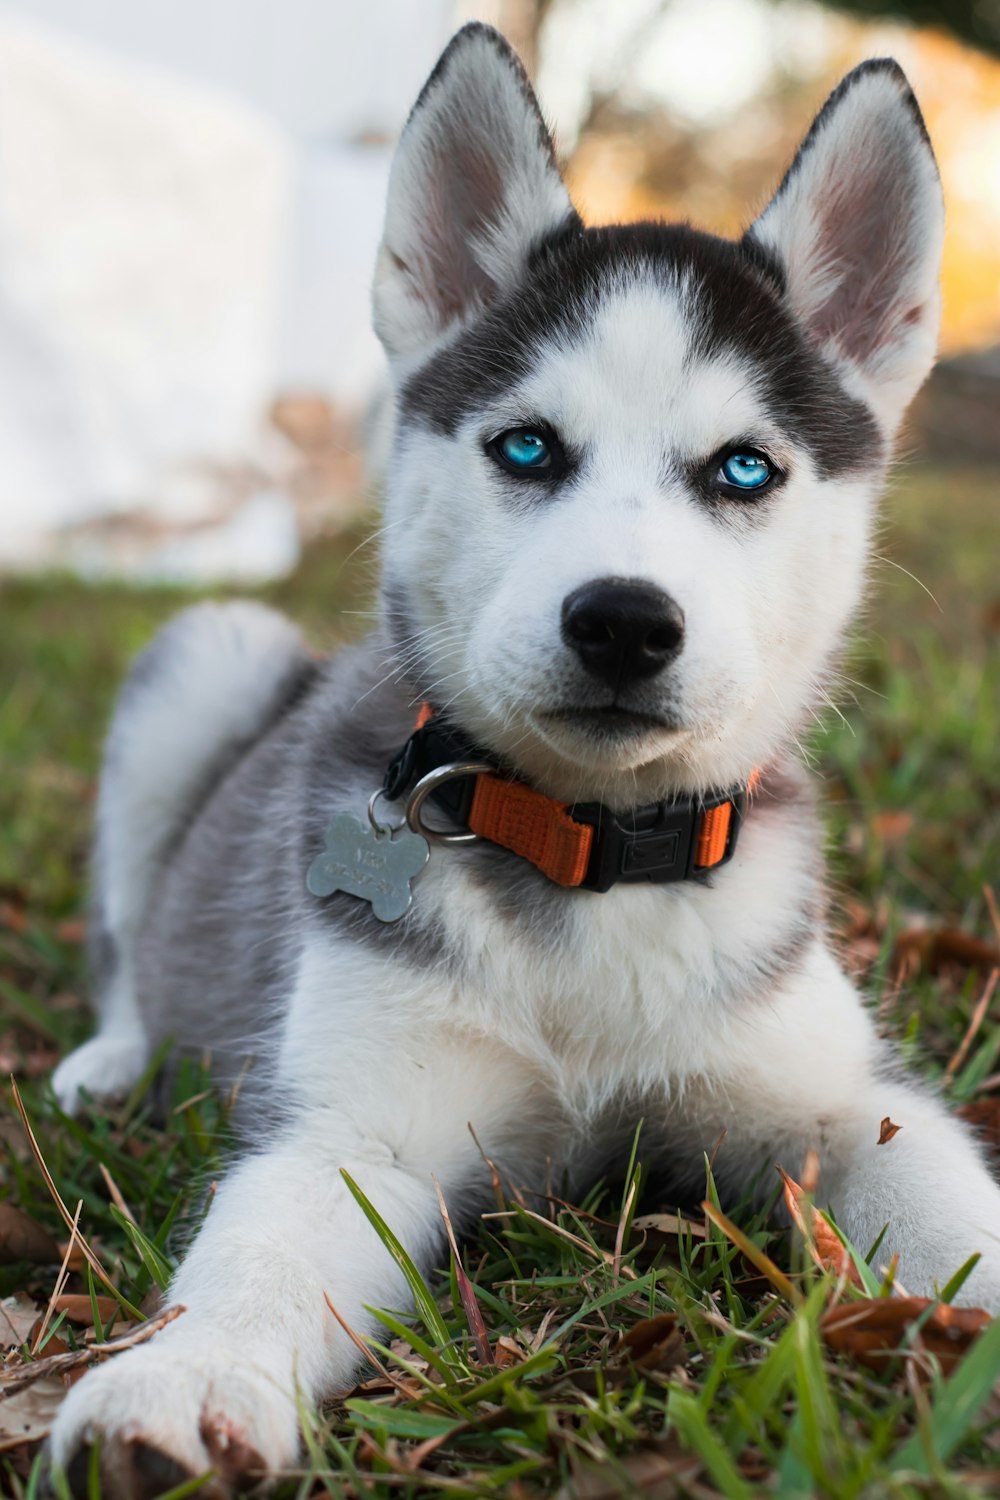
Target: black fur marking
740, 308
478, 33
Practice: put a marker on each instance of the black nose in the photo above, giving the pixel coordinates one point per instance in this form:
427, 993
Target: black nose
622, 629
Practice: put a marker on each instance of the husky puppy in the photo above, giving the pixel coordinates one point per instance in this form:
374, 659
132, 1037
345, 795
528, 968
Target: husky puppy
628, 519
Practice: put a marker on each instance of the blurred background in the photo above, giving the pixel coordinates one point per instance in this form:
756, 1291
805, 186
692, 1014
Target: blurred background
190, 200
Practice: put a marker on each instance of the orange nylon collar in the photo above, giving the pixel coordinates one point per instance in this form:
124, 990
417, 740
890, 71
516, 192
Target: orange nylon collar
578, 845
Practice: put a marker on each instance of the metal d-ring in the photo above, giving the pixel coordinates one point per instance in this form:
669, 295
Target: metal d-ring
430, 783
381, 829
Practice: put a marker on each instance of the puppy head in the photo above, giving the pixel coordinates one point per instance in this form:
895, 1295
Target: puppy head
633, 471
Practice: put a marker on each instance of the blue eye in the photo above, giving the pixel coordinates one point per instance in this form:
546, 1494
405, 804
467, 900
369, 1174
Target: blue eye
745, 471
524, 449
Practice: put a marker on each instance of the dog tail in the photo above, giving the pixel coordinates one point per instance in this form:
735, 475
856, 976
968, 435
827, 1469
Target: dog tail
205, 688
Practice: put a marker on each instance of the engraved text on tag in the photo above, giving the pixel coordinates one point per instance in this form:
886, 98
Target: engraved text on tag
376, 867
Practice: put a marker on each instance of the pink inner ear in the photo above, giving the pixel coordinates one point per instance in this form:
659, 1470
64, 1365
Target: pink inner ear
465, 201
869, 239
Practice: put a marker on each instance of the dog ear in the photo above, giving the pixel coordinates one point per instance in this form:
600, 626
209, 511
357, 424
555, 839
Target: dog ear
856, 229
473, 186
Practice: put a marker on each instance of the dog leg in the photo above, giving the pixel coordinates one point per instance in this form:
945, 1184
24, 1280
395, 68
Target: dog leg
216, 1389
204, 686
807, 1070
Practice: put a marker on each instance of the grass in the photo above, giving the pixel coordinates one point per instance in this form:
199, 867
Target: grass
578, 1355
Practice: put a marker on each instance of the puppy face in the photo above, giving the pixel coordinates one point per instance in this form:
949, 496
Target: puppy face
630, 495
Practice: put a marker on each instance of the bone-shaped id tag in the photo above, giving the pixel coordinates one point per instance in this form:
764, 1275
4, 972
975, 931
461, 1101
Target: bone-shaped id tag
375, 866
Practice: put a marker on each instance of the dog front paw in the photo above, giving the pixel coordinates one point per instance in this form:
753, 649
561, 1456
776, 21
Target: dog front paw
106, 1067
171, 1411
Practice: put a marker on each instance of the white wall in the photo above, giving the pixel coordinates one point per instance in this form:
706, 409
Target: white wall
187, 228
316, 67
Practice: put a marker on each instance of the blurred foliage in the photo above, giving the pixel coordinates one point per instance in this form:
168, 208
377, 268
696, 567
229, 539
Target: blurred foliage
976, 22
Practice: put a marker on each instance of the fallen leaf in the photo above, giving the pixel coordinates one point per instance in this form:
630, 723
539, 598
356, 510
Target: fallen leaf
26, 1416
654, 1343
73, 930
887, 1130
874, 1329
665, 1232
826, 1249
506, 1353
754, 1466
13, 916
76, 1260
893, 827
984, 1117
78, 1309
658, 1473
22, 1239
18, 1316
674, 1225
934, 948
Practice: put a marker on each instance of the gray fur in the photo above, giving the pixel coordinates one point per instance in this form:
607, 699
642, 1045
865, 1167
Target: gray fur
228, 914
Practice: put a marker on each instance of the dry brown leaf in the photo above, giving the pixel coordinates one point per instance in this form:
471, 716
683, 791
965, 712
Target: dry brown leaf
887, 1130
76, 1260
507, 1352
657, 1473
22, 1239
654, 1343
984, 1116
934, 948
672, 1225
73, 930
18, 1316
78, 1309
874, 1329
893, 827
26, 1416
665, 1231
13, 915
824, 1246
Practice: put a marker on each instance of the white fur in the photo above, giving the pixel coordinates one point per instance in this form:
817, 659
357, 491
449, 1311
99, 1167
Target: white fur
860, 223
645, 994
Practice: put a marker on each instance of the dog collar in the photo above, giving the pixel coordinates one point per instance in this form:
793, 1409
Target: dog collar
579, 845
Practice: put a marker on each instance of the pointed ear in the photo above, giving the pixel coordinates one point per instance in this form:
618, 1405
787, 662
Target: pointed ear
474, 185
856, 229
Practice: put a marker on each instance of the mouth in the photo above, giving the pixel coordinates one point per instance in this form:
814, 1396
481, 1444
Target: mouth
612, 721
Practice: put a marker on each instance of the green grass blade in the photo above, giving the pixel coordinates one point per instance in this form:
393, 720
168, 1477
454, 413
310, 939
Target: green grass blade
951, 1288
154, 1260
956, 1404
426, 1306
95, 1312
691, 1425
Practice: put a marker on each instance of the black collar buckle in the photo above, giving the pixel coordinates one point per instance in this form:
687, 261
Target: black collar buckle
656, 844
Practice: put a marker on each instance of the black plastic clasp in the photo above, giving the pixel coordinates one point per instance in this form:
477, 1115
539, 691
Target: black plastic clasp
655, 844
434, 744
